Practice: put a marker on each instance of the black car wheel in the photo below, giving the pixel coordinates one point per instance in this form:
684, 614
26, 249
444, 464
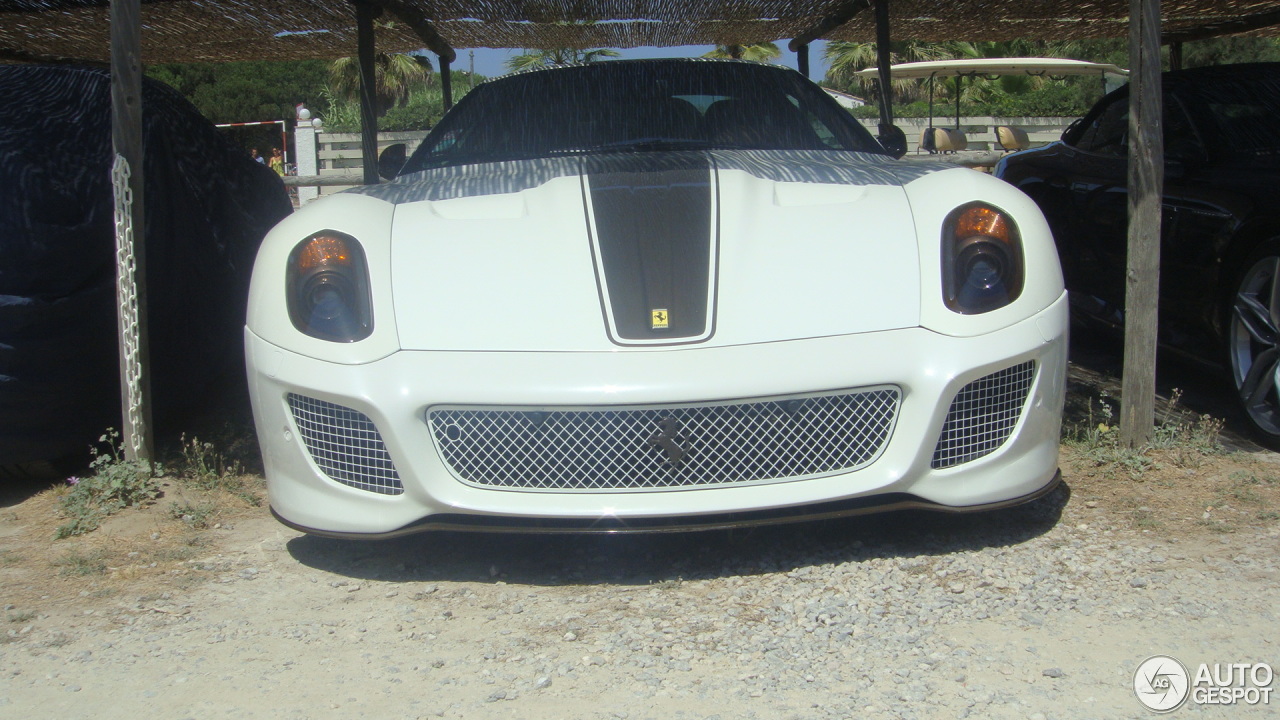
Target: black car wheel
1253, 342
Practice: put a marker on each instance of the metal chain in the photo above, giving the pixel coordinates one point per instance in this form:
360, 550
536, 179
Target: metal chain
126, 292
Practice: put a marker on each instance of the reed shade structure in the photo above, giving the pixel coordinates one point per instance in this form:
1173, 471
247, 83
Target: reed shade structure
223, 30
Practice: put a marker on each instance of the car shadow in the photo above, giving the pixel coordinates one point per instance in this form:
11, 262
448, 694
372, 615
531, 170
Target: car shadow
642, 559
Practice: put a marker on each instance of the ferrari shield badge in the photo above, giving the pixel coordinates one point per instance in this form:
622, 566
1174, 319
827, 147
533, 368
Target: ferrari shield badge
659, 319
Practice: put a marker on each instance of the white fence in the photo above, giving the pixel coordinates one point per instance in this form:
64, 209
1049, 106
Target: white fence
980, 131
339, 154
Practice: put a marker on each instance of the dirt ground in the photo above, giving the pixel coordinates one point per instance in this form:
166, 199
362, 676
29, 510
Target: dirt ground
149, 550
160, 563
1178, 491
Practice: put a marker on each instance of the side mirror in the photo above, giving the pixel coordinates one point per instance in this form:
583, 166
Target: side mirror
392, 158
893, 139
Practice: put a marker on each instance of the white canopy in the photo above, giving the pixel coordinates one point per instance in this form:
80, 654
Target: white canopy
996, 66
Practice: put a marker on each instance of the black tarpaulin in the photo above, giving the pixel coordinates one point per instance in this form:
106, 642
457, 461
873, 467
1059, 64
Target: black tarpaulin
207, 207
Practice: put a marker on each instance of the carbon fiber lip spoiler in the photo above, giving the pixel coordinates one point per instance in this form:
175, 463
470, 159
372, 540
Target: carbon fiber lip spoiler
724, 521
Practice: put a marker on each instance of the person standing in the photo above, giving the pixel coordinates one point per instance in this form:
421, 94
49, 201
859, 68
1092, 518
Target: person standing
277, 161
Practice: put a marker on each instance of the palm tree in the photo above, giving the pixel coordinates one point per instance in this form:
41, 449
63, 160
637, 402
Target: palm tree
847, 58
395, 74
760, 52
558, 56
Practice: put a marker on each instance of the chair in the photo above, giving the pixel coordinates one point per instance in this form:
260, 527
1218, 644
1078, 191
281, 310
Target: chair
1012, 138
943, 140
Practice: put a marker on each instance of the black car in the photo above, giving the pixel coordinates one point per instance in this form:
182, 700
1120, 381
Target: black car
1220, 226
207, 206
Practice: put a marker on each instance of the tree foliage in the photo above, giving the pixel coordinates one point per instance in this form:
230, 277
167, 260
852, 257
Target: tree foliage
421, 111
246, 91
762, 52
395, 76
558, 56
1013, 96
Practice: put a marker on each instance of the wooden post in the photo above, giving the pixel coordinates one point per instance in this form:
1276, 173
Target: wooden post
1175, 55
884, 59
131, 275
1146, 185
802, 60
446, 83
366, 13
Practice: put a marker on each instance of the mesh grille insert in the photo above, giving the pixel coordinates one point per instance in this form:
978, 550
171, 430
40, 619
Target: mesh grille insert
665, 447
982, 415
345, 444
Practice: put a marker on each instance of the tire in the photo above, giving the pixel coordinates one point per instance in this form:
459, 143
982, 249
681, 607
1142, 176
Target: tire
1253, 341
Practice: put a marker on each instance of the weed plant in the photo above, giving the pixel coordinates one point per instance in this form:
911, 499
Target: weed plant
208, 469
1183, 438
80, 564
196, 515
115, 483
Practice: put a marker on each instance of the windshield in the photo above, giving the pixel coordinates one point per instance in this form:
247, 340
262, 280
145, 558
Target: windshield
640, 105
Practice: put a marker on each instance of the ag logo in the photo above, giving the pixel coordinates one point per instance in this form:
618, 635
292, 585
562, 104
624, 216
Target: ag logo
659, 319
1161, 683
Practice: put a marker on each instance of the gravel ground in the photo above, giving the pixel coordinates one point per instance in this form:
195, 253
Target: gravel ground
1043, 611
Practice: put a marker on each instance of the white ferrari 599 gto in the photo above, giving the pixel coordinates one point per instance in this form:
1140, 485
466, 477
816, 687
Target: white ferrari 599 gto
641, 295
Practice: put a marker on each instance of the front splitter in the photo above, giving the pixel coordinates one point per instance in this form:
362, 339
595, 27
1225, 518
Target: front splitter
696, 523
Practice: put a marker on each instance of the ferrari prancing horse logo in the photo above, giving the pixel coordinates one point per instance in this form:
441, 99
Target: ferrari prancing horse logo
659, 319
668, 438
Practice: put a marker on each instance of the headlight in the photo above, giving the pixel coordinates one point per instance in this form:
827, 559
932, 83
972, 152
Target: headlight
982, 266
327, 285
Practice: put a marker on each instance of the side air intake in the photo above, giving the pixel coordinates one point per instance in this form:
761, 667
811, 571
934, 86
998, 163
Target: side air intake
345, 444
983, 415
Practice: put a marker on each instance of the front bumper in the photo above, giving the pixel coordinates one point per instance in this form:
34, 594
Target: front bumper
395, 393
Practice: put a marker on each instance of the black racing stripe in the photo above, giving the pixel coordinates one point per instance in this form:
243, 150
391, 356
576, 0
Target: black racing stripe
654, 227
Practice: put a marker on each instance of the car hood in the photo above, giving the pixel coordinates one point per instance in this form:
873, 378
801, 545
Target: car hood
652, 249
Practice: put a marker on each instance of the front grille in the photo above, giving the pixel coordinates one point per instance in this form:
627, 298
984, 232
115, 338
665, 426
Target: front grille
666, 447
345, 444
982, 415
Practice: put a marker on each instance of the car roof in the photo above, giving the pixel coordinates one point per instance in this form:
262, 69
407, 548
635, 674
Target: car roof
636, 61
1210, 73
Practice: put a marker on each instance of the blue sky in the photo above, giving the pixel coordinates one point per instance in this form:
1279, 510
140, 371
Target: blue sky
489, 62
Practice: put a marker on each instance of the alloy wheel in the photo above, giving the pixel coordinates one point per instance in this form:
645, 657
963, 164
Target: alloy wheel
1254, 343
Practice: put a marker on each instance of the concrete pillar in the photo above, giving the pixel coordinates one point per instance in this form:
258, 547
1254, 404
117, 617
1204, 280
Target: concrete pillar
304, 139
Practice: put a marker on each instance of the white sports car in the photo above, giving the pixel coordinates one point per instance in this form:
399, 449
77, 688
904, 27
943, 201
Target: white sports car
642, 295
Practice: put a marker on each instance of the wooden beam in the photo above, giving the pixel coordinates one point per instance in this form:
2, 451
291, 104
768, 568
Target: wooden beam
884, 59
802, 60
1146, 185
131, 256
1225, 27
366, 13
446, 83
842, 15
421, 25
1175, 55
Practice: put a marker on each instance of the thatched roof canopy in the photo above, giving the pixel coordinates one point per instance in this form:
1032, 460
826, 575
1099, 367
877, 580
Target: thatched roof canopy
220, 30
